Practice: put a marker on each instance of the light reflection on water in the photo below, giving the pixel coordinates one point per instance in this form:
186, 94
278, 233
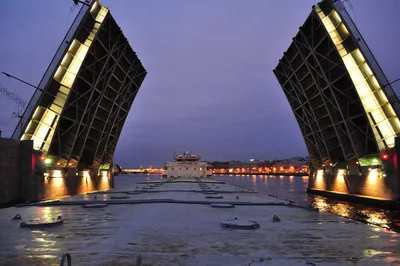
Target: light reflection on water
295, 187
46, 245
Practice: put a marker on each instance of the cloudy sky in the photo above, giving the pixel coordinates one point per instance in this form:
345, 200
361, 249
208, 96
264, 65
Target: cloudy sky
210, 87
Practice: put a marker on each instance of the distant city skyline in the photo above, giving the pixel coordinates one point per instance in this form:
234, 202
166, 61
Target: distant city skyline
240, 161
210, 87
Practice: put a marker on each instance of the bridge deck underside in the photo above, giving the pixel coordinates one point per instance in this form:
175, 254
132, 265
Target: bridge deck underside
323, 98
100, 99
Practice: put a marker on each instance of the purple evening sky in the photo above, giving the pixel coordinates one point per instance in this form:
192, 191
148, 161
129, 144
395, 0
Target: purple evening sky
210, 87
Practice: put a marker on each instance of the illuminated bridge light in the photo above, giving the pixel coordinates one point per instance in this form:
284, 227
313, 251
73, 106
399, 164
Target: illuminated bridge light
339, 95
85, 94
385, 156
41, 127
382, 118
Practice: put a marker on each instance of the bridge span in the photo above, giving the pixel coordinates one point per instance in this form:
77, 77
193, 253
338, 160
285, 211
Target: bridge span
346, 108
65, 140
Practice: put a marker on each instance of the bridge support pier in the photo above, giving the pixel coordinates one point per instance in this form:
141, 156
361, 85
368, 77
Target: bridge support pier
374, 181
24, 176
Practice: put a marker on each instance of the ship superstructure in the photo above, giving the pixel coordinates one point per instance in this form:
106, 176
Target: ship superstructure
187, 165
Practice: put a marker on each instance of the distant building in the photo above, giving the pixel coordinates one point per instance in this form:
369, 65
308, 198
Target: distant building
292, 165
187, 165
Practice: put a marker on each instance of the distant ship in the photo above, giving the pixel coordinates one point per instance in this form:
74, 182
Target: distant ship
187, 165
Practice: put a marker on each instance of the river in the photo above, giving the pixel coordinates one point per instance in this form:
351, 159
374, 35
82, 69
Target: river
291, 188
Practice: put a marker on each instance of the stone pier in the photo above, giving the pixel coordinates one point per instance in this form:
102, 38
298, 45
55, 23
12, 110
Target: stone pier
24, 177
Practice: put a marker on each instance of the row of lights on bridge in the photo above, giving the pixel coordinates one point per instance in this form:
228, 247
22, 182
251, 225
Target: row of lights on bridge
48, 160
384, 157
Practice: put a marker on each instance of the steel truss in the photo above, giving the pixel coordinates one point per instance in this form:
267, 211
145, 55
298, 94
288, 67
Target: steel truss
323, 98
100, 99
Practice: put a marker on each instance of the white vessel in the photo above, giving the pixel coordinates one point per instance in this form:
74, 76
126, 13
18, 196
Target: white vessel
187, 165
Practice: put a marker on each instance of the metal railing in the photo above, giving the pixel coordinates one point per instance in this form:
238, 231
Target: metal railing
50, 71
66, 256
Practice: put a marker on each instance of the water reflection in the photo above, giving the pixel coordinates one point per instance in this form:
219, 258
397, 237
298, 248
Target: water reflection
373, 252
375, 218
294, 188
254, 182
353, 211
47, 214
